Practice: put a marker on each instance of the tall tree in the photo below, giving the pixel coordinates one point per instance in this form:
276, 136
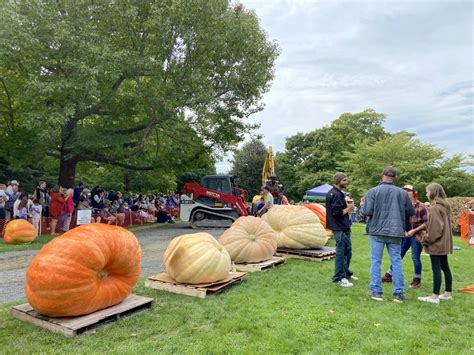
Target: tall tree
417, 163
247, 165
99, 81
311, 159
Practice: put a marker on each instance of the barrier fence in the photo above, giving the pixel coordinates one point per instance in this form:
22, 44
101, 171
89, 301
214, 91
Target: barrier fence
121, 219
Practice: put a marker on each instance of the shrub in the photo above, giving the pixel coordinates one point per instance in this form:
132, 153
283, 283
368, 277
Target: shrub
457, 204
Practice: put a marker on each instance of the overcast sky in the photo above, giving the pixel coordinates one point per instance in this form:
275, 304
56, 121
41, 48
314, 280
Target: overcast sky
412, 60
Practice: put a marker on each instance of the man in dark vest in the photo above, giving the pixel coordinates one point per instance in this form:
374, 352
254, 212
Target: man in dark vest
338, 210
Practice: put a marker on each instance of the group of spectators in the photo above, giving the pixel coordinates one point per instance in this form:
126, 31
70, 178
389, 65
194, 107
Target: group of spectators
397, 221
60, 204
272, 193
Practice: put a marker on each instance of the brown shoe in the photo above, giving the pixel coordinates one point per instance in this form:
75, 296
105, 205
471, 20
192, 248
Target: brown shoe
416, 282
387, 278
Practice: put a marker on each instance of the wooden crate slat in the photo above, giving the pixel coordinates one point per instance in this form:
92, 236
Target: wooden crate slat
71, 326
325, 251
42, 323
132, 301
201, 290
261, 266
163, 286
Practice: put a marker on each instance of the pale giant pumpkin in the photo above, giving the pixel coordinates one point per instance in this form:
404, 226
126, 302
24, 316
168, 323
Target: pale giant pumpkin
249, 239
196, 258
91, 267
296, 226
19, 231
318, 210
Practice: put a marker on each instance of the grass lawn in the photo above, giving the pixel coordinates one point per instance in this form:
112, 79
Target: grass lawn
35, 244
294, 308
43, 239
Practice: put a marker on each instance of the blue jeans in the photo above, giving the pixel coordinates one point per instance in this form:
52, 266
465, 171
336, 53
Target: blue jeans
416, 249
377, 245
343, 255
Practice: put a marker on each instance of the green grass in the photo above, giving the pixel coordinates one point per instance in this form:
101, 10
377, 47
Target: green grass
36, 244
294, 308
43, 239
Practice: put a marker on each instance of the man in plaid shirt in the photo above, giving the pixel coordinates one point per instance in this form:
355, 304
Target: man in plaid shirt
412, 240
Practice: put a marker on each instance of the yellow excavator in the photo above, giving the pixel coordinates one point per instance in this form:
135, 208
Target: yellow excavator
268, 175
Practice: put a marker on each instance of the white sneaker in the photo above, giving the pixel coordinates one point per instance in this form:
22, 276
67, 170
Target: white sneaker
429, 299
344, 283
447, 298
354, 278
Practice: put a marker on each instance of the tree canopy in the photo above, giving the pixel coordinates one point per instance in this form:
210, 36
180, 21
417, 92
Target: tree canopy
247, 165
359, 145
140, 85
312, 158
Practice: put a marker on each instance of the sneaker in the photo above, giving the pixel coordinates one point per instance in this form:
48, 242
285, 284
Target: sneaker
399, 298
376, 296
429, 299
446, 298
352, 277
387, 277
344, 283
415, 283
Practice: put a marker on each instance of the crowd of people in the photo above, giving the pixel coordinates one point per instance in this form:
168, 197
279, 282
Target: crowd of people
397, 221
60, 205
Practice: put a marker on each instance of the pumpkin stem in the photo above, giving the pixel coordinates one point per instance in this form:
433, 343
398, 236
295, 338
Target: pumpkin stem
103, 274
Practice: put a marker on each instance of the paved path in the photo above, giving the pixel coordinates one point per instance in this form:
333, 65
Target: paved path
153, 240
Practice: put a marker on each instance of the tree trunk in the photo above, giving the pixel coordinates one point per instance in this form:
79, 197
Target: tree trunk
126, 181
67, 172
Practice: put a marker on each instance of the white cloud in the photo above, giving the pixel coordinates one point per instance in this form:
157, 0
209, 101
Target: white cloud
412, 60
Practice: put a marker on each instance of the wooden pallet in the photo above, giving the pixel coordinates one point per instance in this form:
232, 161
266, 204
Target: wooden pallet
261, 266
164, 282
72, 326
325, 253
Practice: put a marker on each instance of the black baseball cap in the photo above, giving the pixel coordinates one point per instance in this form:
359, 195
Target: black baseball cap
389, 171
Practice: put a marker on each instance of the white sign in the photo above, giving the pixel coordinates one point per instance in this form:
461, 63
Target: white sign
84, 217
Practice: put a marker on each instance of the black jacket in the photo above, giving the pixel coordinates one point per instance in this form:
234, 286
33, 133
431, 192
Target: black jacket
335, 204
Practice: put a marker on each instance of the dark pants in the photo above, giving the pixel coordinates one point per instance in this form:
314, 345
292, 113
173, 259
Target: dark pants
416, 249
438, 263
343, 255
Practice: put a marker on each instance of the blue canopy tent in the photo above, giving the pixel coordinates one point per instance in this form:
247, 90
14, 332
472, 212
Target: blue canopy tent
318, 193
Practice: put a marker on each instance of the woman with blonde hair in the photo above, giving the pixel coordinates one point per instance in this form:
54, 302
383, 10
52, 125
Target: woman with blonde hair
437, 241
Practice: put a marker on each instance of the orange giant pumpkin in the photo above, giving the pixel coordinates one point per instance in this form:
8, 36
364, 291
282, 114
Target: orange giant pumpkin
19, 231
249, 240
91, 267
318, 210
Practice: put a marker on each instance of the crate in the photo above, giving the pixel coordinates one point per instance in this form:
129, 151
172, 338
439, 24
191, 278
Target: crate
261, 266
164, 282
72, 326
325, 253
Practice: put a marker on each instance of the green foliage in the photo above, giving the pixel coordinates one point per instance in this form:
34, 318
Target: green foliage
311, 159
113, 81
193, 176
247, 165
417, 164
359, 145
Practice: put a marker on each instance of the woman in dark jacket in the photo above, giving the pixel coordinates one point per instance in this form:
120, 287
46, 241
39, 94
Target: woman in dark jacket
437, 241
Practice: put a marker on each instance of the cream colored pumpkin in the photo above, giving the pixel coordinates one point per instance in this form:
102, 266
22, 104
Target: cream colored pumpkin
249, 240
196, 258
297, 227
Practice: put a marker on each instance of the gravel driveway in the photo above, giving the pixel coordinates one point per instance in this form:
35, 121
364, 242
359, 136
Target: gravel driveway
153, 240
